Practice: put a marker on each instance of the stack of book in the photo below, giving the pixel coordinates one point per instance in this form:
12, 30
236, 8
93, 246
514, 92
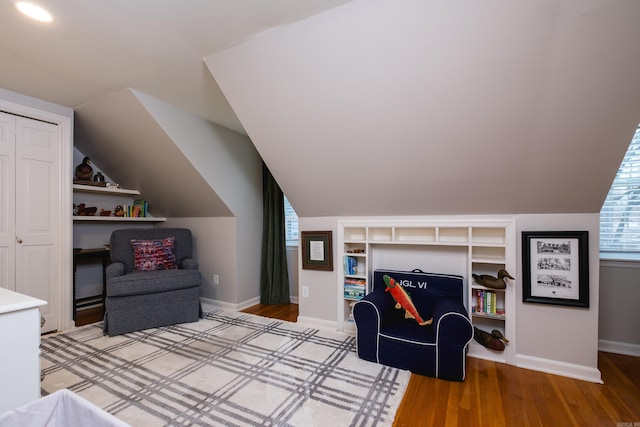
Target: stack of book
354, 288
486, 303
137, 209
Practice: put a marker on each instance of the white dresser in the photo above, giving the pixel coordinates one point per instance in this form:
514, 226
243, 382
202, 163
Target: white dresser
19, 349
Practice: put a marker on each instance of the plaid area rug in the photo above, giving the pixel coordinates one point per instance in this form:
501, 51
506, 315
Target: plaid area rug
228, 369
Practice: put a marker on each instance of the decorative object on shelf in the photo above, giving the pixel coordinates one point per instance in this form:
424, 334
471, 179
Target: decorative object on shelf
82, 210
487, 340
556, 267
497, 334
403, 301
98, 177
84, 171
90, 183
104, 213
317, 250
118, 211
113, 185
492, 281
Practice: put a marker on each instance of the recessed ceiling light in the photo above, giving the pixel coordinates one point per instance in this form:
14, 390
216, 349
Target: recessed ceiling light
34, 11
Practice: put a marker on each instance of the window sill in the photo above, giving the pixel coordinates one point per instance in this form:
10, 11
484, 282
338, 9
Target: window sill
620, 260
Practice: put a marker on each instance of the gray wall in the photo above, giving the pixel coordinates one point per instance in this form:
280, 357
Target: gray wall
619, 323
229, 162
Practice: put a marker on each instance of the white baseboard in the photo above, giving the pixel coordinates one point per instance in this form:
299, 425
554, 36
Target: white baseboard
619, 347
219, 304
317, 323
556, 367
237, 307
248, 303
305, 321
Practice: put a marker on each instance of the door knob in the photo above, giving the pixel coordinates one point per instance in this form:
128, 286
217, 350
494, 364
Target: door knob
18, 239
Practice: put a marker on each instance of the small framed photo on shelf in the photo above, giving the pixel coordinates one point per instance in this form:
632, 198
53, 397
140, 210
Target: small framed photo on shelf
317, 251
556, 267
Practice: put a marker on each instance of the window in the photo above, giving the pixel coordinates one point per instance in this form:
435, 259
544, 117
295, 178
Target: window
620, 214
290, 223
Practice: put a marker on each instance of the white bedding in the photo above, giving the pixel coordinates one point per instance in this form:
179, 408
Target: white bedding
60, 409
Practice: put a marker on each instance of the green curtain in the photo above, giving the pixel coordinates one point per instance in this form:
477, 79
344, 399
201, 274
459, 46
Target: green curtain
274, 278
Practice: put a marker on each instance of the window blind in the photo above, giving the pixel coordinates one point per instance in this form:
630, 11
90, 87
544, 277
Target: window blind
620, 214
291, 223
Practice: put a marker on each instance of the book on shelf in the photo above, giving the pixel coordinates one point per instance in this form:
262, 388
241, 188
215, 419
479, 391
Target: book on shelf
487, 303
137, 209
354, 291
350, 265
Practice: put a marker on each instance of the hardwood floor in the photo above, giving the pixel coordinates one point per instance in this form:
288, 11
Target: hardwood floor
288, 312
495, 394
89, 315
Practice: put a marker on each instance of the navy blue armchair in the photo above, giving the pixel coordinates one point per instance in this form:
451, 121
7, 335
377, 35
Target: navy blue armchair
385, 336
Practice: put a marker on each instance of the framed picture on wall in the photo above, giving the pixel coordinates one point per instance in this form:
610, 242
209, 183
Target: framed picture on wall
317, 251
556, 267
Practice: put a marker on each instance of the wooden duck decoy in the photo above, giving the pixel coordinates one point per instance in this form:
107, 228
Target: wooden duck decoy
493, 282
487, 340
497, 334
84, 171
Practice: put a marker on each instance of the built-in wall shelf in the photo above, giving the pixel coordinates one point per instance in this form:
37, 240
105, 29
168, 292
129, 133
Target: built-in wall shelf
98, 218
463, 247
107, 198
104, 190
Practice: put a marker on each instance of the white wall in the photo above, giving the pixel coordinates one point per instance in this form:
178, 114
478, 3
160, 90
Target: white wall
556, 339
619, 314
560, 339
229, 162
321, 307
214, 242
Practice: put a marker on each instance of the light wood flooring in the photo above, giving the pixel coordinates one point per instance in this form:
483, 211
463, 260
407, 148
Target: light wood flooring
495, 394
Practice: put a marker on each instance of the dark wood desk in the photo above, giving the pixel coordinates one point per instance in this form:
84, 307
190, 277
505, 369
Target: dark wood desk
95, 254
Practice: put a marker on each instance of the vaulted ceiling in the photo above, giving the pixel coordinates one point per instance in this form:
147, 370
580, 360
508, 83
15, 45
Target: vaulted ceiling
460, 107
97, 47
370, 107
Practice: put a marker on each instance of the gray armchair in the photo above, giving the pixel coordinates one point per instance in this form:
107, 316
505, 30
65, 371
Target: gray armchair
137, 300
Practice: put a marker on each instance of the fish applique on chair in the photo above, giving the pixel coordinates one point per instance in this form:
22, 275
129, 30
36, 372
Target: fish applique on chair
403, 301
394, 332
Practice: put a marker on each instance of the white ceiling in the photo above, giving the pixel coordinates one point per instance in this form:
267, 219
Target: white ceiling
372, 107
97, 47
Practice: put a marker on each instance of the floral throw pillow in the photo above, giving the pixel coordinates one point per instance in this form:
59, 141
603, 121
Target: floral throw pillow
149, 255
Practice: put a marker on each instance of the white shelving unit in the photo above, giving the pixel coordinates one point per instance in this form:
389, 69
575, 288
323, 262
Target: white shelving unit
481, 246
103, 190
107, 198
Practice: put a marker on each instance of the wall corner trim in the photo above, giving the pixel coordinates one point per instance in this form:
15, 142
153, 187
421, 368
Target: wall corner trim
627, 349
557, 367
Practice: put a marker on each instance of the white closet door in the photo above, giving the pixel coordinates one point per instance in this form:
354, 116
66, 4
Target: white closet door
37, 198
7, 201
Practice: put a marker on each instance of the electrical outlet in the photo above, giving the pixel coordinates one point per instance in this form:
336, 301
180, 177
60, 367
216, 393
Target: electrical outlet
216, 279
305, 292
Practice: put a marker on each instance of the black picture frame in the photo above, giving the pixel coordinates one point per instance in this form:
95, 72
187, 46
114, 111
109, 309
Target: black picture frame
317, 250
556, 267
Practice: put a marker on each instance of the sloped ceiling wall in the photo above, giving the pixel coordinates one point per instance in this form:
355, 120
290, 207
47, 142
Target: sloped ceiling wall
135, 152
461, 107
